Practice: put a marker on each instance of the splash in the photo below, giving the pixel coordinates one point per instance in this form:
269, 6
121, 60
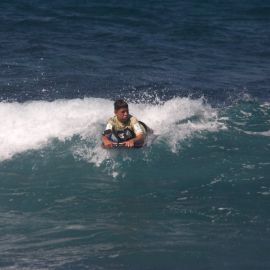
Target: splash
178, 118
33, 125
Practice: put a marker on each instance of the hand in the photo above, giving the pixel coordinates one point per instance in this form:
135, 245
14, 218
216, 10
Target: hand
129, 143
107, 143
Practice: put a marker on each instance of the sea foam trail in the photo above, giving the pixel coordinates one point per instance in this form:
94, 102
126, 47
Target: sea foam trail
32, 125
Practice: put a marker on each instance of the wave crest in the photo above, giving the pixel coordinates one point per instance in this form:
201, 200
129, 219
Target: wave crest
32, 125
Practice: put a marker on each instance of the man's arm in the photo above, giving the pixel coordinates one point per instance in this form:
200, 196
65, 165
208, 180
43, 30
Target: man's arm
107, 143
137, 141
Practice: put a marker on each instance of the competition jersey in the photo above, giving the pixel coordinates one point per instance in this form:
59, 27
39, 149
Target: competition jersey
118, 127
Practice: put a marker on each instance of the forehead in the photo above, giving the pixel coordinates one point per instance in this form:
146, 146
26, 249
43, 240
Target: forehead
121, 110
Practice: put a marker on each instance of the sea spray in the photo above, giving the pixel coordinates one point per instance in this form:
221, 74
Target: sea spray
33, 125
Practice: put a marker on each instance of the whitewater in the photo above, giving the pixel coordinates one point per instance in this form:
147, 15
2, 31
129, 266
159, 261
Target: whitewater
33, 125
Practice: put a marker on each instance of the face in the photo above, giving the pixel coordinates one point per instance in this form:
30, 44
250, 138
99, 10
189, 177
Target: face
122, 114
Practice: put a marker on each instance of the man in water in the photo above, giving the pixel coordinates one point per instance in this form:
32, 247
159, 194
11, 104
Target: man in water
123, 128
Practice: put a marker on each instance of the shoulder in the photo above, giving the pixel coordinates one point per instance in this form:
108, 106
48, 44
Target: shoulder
111, 120
136, 125
133, 120
110, 123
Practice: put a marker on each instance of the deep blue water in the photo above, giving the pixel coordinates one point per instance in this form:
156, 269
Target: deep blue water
197, 197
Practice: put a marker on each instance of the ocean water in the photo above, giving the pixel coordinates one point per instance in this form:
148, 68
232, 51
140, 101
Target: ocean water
197, 196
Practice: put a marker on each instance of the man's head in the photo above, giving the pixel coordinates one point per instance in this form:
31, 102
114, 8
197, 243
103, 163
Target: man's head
121, 110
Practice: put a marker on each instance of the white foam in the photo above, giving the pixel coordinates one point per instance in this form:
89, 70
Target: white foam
178, 119
257, 133
32, 125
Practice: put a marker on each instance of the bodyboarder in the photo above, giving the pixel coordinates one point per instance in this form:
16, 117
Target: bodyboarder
124, 129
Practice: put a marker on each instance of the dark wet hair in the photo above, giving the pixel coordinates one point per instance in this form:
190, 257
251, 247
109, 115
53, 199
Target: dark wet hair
119, 104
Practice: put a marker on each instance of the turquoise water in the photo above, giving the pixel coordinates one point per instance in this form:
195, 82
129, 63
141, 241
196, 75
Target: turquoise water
199, 202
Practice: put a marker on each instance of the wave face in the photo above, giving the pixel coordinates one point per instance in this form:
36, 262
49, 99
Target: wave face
33, 125
198, 187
